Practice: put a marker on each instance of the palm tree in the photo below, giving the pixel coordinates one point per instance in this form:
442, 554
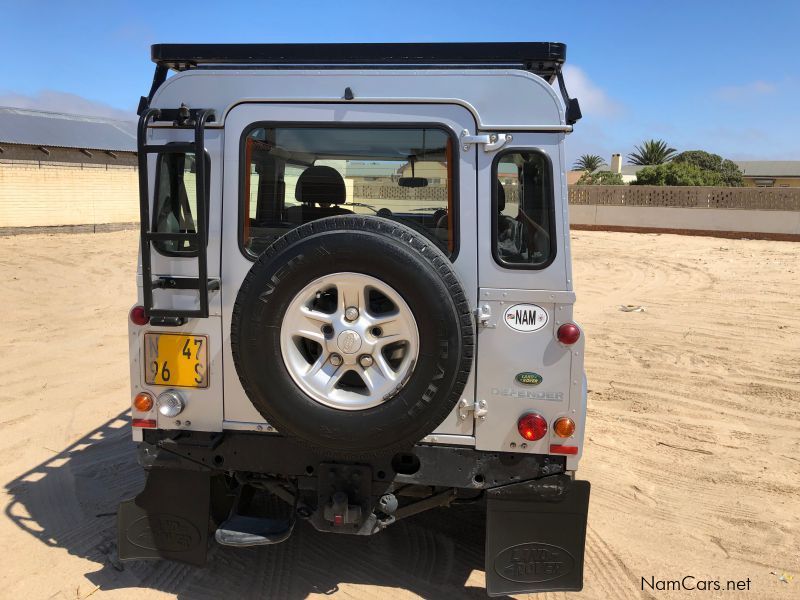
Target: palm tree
589, 163
651, 152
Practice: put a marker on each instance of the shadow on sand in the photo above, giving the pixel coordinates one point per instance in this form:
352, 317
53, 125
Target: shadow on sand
70, 501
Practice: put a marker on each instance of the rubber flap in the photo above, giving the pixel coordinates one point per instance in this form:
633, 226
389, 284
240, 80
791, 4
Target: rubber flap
535, 536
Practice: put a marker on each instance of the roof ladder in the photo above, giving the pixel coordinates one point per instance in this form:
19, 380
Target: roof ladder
183, 118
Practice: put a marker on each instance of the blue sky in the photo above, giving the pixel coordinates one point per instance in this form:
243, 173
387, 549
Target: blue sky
721, 76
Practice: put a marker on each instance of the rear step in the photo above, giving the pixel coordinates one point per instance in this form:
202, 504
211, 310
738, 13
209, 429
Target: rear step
242, 531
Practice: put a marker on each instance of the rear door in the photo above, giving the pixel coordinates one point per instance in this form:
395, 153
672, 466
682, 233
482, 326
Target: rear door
525, 292
267, 146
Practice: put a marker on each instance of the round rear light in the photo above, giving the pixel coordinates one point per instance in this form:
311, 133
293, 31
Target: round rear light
170, 403
532, 426
564, 427
139, 316
143, 402
568, 333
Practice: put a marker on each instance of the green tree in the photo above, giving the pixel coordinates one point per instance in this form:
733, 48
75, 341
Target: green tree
651, 152
600, 178
728, 170
677, 173
589, 163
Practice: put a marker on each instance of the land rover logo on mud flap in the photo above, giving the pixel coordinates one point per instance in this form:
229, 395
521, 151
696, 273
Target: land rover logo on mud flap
528, 378
525, 317
168, 533
533, 563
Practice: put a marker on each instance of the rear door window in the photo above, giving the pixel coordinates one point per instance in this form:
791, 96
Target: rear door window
524, 220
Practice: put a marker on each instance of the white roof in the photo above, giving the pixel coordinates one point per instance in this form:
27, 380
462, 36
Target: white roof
501, 100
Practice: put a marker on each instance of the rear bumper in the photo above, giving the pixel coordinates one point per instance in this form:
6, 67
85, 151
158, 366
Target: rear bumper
435, 465
536, 513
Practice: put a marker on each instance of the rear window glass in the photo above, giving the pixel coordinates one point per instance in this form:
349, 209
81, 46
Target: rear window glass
523, 202
176, 201
294, 175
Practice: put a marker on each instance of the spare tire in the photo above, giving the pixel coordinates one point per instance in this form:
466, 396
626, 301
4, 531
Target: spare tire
353, 335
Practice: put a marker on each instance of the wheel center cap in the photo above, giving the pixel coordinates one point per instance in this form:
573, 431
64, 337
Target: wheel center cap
349, 341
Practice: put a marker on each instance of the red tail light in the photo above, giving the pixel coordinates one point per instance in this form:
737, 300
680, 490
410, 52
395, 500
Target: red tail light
532, 426
139, 316
568, 334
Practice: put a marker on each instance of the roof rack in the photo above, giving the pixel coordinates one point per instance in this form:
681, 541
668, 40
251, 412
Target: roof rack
542, 58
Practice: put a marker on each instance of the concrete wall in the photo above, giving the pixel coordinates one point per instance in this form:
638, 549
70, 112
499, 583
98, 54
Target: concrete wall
779, 222
46, 194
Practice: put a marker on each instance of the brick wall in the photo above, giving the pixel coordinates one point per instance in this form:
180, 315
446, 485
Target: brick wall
37, 193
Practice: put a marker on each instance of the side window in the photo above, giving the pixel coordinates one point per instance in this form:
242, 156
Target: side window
294, 175
523, 229
176, 201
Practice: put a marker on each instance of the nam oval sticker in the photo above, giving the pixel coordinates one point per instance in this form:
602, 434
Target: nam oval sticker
525, 317
528, 378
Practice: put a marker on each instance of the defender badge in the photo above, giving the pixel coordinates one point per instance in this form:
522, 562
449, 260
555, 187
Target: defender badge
528, 378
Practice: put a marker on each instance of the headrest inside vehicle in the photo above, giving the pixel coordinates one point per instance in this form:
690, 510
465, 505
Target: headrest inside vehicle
320, 185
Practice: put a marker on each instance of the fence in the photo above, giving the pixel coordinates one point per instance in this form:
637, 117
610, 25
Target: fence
686, 196
770, 213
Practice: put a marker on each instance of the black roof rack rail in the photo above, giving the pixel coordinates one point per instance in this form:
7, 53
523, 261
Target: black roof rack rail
544, 59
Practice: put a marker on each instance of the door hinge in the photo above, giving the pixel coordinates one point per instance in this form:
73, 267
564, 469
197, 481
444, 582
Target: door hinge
478, 409
490, 141
482, 315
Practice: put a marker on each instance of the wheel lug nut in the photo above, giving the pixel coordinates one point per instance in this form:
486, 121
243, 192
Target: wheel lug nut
336, 360
351, 314
327, 329
365, 360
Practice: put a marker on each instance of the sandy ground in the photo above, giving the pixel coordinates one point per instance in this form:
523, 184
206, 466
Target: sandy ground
693, 435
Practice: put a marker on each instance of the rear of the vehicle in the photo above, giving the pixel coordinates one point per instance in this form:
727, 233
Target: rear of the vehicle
356, 299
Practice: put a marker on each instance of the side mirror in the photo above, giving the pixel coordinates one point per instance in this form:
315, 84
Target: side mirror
412, 182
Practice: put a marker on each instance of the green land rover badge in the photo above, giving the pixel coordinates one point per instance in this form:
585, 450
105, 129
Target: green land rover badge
528, 378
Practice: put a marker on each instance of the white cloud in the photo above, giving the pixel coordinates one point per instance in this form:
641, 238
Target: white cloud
594, 100
746, 91
64, 102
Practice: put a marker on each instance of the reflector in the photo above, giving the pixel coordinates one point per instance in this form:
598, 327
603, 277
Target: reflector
146, 423
559, 449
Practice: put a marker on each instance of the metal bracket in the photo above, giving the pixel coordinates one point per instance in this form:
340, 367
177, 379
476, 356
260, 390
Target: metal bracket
490, 141
478, 409
482, 315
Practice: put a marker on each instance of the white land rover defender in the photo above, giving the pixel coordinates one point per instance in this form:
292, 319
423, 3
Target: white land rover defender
355, 296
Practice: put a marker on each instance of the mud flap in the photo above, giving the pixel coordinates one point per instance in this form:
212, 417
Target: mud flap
168, 519
535, 536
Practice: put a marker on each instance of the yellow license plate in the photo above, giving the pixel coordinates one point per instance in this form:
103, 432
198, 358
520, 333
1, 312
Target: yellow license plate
176, 359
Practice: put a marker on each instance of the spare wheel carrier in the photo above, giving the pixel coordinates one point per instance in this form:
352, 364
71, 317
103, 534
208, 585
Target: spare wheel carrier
353, 335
